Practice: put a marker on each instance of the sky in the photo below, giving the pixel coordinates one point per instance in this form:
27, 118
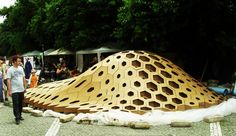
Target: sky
5, 3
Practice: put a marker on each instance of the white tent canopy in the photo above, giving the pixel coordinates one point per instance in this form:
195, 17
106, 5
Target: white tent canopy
37, 53
45, 53
98, 51
32, 53
60, 52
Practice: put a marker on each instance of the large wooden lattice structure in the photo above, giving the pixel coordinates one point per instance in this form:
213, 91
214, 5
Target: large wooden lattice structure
132, 81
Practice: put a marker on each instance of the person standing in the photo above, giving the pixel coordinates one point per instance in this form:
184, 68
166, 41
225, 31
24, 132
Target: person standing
16, 84
1, 82
62, 72
28, 68
3, 69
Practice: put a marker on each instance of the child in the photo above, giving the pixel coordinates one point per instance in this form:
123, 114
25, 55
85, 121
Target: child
33, 80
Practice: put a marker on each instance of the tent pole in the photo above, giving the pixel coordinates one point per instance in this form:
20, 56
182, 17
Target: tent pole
204, 70
99, 56
43, 56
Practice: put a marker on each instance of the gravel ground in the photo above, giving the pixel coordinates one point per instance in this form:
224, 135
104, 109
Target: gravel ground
165, 130
31, 126
38, 126
228, 125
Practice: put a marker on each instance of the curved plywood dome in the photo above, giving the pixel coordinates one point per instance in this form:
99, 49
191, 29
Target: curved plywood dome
132, 81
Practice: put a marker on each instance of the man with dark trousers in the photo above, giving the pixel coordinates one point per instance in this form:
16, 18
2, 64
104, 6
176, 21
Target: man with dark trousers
16, 84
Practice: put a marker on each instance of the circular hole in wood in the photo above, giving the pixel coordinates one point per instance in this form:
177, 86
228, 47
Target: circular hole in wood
90, 89
107, 81
92, 106
84, 104
99, 95
183, 95
123, 63
181, 81
100, 73
137, 84
93, 68
74, 102
47, 96
189, 90
112, 89
55, 97
192, 103
130, 73
42, 96
130, 93
64, 99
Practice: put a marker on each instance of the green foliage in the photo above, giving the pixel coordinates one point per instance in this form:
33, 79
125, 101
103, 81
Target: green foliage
13, 30
183, 26
145, 23
74, 24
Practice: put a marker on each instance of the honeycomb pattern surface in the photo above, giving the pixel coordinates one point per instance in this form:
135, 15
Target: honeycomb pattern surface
131, 81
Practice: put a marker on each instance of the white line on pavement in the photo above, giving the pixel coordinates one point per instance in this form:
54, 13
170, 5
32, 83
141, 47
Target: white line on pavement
52, 131
215, 129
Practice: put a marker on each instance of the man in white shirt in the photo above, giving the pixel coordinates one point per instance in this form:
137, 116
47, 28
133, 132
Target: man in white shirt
16, 84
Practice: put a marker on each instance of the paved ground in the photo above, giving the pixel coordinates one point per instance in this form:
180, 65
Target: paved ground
39, 126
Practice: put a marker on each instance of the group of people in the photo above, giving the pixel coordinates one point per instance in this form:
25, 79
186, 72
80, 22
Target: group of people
30, 74
13, 83
63, 72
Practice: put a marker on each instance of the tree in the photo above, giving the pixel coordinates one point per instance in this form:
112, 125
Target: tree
13, 31
205, 33
59, 23
145, 24
76, 24
198, 32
